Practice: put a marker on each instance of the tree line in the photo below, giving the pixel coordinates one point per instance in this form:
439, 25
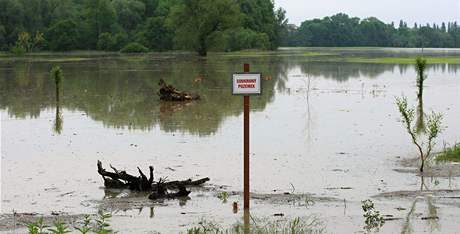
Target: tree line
343, 30
195, 25
139, 25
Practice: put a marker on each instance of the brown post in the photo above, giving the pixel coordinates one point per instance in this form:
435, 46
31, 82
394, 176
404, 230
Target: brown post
246, 147
247, 226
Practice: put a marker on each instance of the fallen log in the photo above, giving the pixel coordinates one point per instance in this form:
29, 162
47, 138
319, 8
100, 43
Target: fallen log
161, 192
121, 179
170, 93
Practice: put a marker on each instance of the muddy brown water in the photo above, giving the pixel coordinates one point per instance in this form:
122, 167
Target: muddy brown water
326, 131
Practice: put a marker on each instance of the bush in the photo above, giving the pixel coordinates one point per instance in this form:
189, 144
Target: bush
134, 47
18, 50
240, 39
106, 42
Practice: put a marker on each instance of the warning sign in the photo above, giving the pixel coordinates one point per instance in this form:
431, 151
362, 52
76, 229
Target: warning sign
246, 83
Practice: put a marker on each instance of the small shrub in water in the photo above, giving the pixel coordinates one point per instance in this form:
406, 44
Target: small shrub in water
432, 130
223, 196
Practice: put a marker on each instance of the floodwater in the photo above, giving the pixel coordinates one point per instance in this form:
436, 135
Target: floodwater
326, 130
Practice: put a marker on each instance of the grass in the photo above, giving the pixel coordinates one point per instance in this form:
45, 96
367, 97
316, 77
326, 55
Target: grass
316, 55
284, 226
395, 60
281, 53
450, 154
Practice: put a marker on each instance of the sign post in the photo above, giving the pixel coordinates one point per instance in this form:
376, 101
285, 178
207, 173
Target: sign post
246, 84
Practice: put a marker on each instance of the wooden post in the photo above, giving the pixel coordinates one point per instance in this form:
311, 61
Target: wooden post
246, 147
247, 226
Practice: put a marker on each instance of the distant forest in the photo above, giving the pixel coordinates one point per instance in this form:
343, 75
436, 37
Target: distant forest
194, 25
342, 30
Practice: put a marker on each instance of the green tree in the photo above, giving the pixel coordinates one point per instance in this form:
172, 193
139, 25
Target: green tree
100, 17
2, 38
28, 42
197, 21
260, 16
106, 42
60, 10
130, 13
157, 35
12, 19
62, 36
281, 26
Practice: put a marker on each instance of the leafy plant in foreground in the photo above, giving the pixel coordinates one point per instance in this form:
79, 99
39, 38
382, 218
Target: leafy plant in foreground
38, 227
59, 228
373, 218
98, 225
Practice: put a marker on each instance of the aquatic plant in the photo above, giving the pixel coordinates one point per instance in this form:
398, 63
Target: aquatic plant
432, 130
373, 218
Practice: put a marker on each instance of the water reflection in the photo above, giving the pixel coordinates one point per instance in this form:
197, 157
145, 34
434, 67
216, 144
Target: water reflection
120, 91
420, 122
58, 120
431, 213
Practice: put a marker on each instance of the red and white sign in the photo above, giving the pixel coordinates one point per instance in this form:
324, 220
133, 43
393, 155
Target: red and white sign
247, 83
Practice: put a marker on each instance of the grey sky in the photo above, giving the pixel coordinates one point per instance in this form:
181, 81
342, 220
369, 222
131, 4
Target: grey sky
421, 11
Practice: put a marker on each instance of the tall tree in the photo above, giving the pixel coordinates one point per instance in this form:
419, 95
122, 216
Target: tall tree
100, 17
198, 21
130, 13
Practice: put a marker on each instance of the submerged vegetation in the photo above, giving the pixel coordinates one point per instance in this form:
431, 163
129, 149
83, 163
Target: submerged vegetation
451, 154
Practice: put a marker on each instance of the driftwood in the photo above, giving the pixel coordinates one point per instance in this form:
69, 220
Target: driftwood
161, 191
170, 93
121, 179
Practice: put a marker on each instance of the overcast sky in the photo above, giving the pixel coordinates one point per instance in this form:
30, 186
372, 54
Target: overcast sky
421, 11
